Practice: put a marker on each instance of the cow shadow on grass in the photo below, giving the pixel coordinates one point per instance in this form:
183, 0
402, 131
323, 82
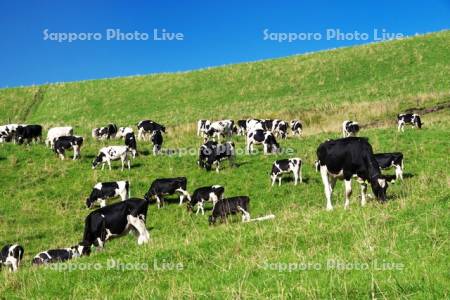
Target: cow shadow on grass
305, 180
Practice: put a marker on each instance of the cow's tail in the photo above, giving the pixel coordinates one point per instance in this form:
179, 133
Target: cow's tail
264, 218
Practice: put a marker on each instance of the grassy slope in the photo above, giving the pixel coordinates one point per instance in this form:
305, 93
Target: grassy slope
42, 198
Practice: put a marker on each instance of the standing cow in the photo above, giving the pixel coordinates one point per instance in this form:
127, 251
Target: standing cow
296, 127
282, 166
28, 133
230, 206
413, 119
146, 127
201, 195
108, 154
10, 256
349, 128
167, 186
107, 190
64, 143
56, 132
259, 136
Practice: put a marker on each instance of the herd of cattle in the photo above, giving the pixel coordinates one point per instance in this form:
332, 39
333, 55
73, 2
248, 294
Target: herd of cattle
345, 158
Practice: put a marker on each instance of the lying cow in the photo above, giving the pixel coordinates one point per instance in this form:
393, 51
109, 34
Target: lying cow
54, 133
61, 255
413, 119
203, 126
230, 206
204, 194
10, 256
64, 143
116, 220
388, 160
212, 153
167, 186
349, 128
108, 190
345, 158
259, 136
105, 133
157, 140
283, 166
108, 154
130, 142
296, 127
146, 127
28, 133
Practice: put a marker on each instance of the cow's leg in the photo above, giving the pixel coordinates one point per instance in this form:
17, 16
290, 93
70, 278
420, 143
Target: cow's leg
158, 201
348, 192
128, 163
61, 156
217, 167
300, 173
199, 207
279, 180
295, 171
363, 186
245, 215
274, 178
102, 202
109, 164
248, 147
398, 172
122, 159
185, 194
139, 226
326, 186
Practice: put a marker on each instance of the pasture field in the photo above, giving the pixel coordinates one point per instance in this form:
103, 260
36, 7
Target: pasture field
395, 250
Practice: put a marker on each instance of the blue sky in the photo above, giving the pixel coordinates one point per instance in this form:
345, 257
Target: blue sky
215, 33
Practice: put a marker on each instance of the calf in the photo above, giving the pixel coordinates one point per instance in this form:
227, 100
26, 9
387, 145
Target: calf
201, 195
345, 158
56, 132
282, 166
167, 186
108, 154
11, 255
107, 190
259, 136
230, 206
123, 131
116, 220
349, 128
203, 126
64, 143
60, 255
157, 140
296, 127
212, 153
413, 119
388, 160
223, 128
130, 142
147, 127
28, 133
105, 133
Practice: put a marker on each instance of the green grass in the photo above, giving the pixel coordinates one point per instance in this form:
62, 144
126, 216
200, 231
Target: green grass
42, 198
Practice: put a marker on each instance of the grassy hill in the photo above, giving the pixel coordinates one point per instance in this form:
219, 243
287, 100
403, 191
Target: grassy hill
404, 244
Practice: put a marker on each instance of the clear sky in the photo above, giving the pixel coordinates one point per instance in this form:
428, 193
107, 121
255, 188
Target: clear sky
214, 33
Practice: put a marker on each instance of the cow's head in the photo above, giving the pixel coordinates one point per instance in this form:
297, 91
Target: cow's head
90, 202
82, 249
101, 157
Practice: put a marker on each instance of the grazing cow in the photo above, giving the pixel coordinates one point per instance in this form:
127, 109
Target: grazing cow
11, 255
105, 133
123, 131
167, 186
211, 153
241, 127
8, 132
147, 127
388, 160
223, 128
28, 133
282, 166
64, 143
116, 220
60, 255
130, 142
203, 126
108, 190
108, 154
349, 128
296, 127
413, 119
55, 132
201, 195
157, 140
280, 128
345, 158
259, 136
230, 206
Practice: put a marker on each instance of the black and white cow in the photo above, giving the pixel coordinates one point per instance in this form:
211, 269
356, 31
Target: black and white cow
345, 158
146, 127
413, 119
108, 154
8, 132
280, 128
123, 131
130, 142
283, 166
230, 206
157, 140
54, 133
254, 124
61, 255
28, 133
223, 128
167, 186
212, 153
116, 220
201, 195
10, 256
296, 127
105, 133
202, 126
108, 190
64, 143
241, 127
349, 128
388, 160
259, 136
